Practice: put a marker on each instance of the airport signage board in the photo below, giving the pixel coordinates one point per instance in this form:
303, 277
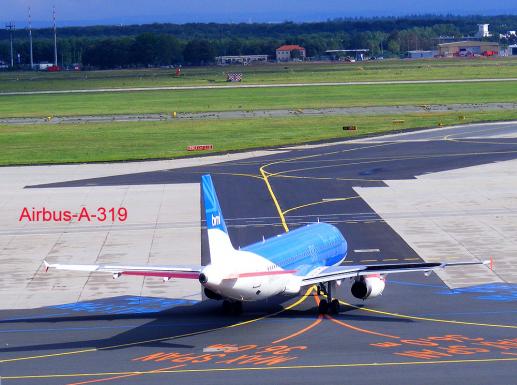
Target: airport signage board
200, 147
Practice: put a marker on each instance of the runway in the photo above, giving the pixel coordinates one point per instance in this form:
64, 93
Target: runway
271, 85
418, 331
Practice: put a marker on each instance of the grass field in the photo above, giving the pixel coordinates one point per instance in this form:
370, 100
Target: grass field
64, 143
254, 99
260, 74
36, 144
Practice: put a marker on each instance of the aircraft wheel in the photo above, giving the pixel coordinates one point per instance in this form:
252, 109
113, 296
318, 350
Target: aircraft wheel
323, 307
237, 308
227, 307
335, 306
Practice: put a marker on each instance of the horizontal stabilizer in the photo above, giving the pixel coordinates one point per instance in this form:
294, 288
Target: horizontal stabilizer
178, 271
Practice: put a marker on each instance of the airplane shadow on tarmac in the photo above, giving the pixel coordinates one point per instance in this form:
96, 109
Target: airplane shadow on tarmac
159, 332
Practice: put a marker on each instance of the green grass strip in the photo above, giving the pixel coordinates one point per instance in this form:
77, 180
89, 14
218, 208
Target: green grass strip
255, 99
38, 144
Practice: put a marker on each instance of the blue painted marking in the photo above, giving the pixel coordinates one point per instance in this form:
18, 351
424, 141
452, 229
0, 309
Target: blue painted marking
469, 313
34, 317
499, 292
125, 305
71, 329
371, 171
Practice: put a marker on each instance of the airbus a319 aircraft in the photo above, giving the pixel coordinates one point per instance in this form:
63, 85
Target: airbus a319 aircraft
310, 255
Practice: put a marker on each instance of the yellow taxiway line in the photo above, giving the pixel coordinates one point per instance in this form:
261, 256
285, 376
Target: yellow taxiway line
269, 368
428, 319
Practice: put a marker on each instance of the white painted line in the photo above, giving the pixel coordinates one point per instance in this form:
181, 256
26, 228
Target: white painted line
228, 349
366, 251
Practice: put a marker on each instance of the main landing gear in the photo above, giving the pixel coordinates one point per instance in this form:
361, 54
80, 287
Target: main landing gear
328, 305
232, 307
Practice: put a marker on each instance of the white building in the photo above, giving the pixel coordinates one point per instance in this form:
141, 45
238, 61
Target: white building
44, 65
241, 59
483, 31
507, 35
290, 52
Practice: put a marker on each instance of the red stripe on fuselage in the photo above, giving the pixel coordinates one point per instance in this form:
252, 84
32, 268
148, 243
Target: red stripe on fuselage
162, 274
264, 273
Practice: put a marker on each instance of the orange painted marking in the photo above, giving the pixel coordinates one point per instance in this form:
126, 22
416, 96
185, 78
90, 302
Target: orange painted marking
304, 330
317, 300
126, 375
359, 329
299, 332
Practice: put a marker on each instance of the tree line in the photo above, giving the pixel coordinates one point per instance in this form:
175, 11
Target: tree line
198, 44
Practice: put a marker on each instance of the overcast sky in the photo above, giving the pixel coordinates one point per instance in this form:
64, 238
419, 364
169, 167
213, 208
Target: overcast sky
85, 12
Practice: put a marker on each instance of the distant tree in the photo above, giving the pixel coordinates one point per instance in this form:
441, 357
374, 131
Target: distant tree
145, 49
199, 52
108, 53
171, 50
197, 43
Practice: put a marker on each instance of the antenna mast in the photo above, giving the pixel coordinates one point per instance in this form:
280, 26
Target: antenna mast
55, 34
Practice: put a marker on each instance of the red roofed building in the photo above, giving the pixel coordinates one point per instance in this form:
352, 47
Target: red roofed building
290, 53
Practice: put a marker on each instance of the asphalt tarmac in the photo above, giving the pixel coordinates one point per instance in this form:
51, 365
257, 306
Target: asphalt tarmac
417, 332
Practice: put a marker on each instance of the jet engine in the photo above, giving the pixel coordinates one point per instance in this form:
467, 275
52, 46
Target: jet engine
212, 295
368, 287
293, 285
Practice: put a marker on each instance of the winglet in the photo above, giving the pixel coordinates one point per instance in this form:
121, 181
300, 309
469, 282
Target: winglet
47, 265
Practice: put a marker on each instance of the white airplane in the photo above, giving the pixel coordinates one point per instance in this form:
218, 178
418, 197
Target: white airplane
310, 255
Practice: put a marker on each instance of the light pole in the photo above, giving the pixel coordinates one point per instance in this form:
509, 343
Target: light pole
11, 28
30, 39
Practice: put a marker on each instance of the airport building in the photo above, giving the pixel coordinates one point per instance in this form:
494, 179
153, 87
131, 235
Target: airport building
468, 48
290, 53
483, 31
348, 54
241, 59
512, 50
420, 54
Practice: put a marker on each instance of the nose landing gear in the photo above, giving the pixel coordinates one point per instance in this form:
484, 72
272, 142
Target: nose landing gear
329, 305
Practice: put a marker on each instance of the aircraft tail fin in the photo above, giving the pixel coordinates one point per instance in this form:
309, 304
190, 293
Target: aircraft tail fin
219, 242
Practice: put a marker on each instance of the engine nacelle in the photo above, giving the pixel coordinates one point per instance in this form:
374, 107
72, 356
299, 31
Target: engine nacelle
293, 286
368, 287
212, 295
211, 277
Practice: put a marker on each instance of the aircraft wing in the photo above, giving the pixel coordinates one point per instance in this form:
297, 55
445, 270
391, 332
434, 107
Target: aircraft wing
178, 271
335, 273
